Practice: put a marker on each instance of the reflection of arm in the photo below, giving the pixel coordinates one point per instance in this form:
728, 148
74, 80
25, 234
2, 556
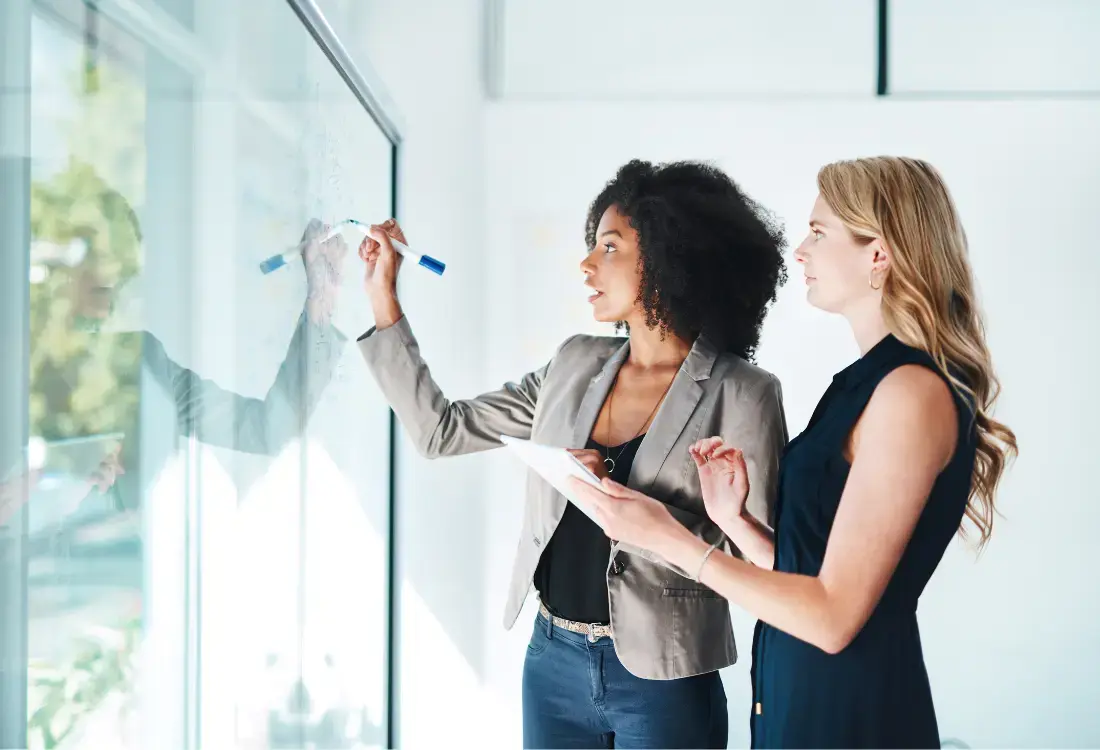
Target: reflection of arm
219, 417
437, 426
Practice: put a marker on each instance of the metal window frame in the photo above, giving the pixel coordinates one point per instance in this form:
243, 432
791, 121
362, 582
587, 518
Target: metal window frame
15, 125
360, 77
393, 622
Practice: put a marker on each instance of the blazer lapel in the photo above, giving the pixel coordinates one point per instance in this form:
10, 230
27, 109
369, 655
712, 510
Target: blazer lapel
673, 416
598, 388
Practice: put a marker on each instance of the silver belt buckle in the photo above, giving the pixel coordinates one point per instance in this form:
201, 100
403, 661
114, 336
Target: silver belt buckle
596, 632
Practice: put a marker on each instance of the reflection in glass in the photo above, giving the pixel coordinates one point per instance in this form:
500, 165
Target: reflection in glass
85, 568
208, 498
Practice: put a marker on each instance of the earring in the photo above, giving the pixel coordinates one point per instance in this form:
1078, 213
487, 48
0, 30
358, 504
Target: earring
871, 280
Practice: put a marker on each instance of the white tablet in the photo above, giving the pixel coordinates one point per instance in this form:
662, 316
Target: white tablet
555, 465
79, 457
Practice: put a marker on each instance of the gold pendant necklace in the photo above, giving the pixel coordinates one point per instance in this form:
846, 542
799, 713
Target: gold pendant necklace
608, 461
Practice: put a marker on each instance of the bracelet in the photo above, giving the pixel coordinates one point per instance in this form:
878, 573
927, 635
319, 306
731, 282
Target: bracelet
703, 562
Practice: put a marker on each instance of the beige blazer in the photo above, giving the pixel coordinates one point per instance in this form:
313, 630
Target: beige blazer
665, 625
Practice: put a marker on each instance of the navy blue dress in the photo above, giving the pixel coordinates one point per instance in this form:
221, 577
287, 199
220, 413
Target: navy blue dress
874, 693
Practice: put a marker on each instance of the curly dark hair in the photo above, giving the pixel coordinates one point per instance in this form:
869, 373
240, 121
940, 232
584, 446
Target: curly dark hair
711, 257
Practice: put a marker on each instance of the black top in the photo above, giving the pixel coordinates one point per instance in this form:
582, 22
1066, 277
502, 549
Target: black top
571, 577
875, 692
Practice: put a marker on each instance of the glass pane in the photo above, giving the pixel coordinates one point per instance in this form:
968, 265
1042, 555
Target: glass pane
207, 541
85, 543
347, 460
294, 636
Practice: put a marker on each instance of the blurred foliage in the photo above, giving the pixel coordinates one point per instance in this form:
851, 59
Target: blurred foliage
66, 694
83, 382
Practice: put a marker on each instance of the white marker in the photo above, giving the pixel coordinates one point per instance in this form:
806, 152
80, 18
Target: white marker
278, 261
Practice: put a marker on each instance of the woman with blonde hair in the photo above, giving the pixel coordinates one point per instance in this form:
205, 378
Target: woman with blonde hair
900, 451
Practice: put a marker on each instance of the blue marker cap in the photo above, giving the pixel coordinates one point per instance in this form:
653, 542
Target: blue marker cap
272, 263
435, 266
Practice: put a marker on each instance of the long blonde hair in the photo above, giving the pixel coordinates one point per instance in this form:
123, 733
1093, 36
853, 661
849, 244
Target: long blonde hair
928, 296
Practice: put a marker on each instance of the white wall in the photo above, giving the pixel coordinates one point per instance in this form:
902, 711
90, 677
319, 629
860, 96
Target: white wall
1026, 176
998, 47
645, 48
499, 191
428, 54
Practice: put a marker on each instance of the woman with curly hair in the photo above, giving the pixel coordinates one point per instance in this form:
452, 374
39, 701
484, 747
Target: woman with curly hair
626, 645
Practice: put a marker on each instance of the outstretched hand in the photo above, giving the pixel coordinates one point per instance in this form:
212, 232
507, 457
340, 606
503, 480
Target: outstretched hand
723, 477
110, 469
382, 261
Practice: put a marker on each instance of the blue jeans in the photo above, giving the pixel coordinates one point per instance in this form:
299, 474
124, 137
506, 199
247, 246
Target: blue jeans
577, 694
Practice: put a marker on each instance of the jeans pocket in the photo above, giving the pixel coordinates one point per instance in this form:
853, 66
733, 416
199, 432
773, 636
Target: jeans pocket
539, 638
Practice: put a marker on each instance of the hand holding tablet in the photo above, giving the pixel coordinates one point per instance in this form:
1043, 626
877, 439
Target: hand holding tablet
556, 466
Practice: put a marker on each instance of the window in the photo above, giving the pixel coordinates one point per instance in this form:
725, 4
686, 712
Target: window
226, 582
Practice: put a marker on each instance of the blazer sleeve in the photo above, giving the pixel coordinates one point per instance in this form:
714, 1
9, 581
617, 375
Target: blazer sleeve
760, 431
251, 425
438, 426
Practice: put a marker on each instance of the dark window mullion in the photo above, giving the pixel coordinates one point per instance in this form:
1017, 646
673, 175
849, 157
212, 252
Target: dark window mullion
882, 87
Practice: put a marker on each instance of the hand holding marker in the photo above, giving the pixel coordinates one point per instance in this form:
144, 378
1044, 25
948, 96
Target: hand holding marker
278, 261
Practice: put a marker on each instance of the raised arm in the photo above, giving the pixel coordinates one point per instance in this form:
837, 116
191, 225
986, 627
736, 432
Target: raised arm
438, 426
219, 417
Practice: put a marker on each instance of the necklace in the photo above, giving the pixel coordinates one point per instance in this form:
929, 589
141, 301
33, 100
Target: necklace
608, 461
